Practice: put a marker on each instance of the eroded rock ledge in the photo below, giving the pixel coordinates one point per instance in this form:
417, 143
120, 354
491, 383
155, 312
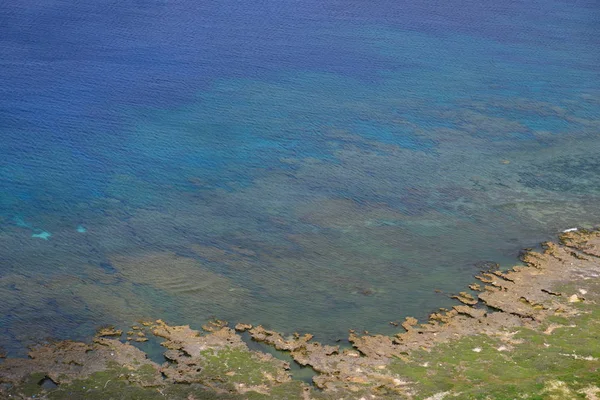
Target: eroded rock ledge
218, 362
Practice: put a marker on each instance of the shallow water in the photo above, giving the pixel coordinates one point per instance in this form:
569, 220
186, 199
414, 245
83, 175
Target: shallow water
311, 166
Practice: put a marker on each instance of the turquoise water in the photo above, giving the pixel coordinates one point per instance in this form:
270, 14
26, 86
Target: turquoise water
310, 166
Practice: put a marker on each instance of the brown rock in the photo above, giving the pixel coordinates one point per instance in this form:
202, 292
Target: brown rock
465, 298
108, 331
470, 311
475, 286
409, 322
66, 361
240, 327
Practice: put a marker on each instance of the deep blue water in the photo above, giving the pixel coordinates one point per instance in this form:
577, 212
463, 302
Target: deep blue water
307, 165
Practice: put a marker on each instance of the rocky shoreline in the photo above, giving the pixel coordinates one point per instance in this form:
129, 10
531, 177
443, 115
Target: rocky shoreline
557, 290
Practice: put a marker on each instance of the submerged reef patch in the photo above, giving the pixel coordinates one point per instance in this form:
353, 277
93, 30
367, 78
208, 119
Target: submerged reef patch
42, 235
533, 330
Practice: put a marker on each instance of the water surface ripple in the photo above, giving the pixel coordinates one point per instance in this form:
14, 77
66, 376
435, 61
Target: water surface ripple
308, 165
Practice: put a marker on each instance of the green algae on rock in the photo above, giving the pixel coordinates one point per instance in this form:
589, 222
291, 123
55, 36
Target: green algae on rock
530, 332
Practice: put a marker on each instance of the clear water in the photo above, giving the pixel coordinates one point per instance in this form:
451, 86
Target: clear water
308, 165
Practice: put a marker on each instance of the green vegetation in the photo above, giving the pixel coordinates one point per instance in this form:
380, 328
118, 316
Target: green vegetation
561, 360
238, 366
551, 354
563, 363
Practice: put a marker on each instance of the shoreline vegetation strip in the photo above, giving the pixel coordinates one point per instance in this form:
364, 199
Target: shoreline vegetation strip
530, 332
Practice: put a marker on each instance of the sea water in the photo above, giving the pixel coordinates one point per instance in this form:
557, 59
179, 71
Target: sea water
311, 166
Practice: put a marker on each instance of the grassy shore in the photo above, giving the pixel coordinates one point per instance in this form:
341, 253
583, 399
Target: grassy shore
529, 333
